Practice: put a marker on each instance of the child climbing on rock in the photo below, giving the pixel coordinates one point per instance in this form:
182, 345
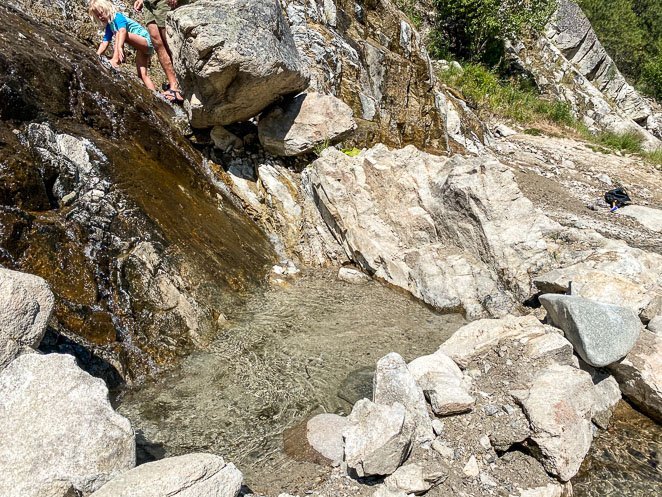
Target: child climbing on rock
128, 31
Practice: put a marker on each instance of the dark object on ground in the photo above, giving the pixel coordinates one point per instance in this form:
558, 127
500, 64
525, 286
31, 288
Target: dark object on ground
617, 197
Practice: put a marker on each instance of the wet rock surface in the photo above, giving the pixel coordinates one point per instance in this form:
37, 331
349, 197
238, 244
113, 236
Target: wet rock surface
92, 197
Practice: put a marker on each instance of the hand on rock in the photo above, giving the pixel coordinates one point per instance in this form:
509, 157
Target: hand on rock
138, 5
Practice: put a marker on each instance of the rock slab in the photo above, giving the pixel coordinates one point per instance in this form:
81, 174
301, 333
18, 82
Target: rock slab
57, 426
233, 58
640, 374
26, 304
309, 120
324, 434
192, 475
600, 333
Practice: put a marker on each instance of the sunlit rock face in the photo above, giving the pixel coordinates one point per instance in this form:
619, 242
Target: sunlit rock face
101, 197
369, 55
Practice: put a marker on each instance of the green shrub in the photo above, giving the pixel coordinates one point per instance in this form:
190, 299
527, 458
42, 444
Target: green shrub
630, 141
512, 99
654, 157
351, 152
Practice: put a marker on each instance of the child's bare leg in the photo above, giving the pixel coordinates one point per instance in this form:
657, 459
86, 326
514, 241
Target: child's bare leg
142, 59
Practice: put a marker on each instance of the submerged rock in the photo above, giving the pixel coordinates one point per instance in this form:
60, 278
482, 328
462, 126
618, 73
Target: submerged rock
378, 438
600, 333
640, 374
233, 58
192, 475
298, 125
57, 427
26, 304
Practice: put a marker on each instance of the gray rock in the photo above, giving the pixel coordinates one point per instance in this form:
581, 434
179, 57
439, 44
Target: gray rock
378, 438
224, 140
647, 216
559, 407
307, 121
395, 383
26, 303
324, 434
384, 491
640, 374
607, 395
192, 475
57, 427
233, 58
600, 333
655, 325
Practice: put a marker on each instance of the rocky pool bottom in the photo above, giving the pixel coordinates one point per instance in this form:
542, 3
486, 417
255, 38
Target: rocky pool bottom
309, 345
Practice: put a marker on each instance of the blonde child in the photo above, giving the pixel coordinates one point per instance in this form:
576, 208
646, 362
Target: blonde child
127, 31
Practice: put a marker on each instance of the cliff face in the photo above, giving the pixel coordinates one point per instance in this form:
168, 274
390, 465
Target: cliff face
101, 197
369, 55
569, 62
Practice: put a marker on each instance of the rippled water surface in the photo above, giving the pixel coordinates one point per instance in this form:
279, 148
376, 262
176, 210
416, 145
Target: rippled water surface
625, 461
294, 350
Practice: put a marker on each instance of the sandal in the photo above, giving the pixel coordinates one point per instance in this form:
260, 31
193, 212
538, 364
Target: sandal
174, 96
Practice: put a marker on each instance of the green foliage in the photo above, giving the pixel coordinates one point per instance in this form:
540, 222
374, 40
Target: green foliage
655, 158
476, 29
630, 141
409, 8
321, 147
351, 152
631, 31
513, 99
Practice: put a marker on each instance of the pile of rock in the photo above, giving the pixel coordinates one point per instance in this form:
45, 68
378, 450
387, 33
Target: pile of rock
502, 404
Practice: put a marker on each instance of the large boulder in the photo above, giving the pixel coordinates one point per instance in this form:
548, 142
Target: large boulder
559, 406
600, 333
299, 125
234, 58
457, 233
26, 304
378, 438
57, 427
192, 475
640, 374
393, 383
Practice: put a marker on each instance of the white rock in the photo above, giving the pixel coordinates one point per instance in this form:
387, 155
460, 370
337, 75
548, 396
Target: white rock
655, 325
415, 478
307, 121
443, 383
471, 468
444, 450
57, 426
26, 303
378, 438
324, 434
559, 407
394, 382
647, 216
640, 374
349, 275
192, 475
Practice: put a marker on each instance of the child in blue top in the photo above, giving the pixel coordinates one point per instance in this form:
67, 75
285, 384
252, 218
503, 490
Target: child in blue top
127, 31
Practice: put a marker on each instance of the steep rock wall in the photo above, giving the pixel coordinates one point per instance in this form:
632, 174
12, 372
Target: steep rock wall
101, 197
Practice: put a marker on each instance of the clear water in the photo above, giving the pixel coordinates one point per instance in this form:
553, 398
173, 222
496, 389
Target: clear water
625, 460
294, 350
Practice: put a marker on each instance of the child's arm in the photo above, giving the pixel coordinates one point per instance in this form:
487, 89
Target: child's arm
103, 47
119, 45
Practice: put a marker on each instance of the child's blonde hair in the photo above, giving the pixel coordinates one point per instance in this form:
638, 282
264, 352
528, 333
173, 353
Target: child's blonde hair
105, 7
